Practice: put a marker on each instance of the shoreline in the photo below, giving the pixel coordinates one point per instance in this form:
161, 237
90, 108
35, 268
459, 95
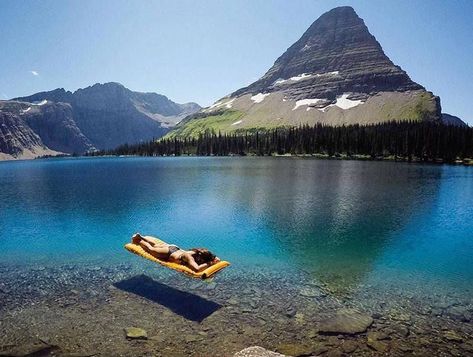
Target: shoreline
465, 162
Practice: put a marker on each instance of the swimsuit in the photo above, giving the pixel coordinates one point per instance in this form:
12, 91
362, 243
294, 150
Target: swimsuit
172, 249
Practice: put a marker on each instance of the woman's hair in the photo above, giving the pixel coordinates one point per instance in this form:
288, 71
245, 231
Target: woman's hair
203, 255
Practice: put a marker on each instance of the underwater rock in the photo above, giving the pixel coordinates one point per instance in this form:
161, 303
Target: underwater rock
377, 345
136, 333
349, 346
400, 316
157, 338
378, 336
320, 350
232, 301
294, 349
193, 338
36, 348
459, 313
257, 351
310, 292
346, 322
452, 336
334, 353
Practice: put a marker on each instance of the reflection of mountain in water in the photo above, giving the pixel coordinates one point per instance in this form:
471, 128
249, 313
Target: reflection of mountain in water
338, 216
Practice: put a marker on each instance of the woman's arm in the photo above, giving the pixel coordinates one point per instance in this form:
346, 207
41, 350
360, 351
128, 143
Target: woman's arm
191, 261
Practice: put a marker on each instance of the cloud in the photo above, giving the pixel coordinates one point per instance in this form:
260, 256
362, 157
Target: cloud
34, 73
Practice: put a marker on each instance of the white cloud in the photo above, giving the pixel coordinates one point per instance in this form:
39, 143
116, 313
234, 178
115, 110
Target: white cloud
34, 73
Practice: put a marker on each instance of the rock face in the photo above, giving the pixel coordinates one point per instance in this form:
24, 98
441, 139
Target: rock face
338, 54
102, 116
54, 124
336, 73
17, 139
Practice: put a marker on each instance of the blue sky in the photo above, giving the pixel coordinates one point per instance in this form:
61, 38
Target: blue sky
200, 51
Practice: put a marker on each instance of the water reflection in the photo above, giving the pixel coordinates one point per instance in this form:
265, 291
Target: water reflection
335, 219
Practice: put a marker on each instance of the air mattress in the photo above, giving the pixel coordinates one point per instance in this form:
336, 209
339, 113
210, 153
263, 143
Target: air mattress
203, 274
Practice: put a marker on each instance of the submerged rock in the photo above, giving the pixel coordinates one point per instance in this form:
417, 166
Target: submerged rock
310, 292
193, 338
30, 349
257, 351
294, 349
136, 333
349, 346
453, 336
377, 345
346, 322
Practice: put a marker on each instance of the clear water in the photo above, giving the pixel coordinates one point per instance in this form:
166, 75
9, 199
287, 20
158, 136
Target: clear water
346, 223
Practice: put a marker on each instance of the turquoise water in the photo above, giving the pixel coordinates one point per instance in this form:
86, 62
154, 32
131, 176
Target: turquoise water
345, 223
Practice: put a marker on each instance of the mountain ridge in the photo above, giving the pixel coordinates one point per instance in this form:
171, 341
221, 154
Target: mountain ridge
100, 116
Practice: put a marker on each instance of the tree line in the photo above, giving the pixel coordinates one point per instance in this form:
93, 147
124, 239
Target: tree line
406, 140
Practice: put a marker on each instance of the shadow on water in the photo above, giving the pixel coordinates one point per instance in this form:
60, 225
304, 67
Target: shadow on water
190, 306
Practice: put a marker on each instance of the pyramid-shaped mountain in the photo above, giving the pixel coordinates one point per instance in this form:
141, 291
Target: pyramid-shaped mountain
336, 73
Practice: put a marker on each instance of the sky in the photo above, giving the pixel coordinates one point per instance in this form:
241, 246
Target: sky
201, 51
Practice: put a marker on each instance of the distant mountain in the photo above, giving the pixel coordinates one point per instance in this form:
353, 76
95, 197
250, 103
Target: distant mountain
452, 120
102, 116
336, 73
17, 139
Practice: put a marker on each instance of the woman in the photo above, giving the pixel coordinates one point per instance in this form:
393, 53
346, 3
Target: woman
197, 258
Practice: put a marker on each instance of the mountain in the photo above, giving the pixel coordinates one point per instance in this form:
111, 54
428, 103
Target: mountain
110, 114
101, 116
452, 120
336, 73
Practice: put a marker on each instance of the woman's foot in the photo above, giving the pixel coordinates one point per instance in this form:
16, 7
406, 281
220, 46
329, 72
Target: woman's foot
136, 238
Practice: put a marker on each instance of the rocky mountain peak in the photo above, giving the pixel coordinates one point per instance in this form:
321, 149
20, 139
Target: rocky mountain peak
336, 74
336, 54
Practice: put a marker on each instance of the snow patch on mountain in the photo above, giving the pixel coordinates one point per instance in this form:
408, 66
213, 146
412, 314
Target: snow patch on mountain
302, 102
23, 111
258, 98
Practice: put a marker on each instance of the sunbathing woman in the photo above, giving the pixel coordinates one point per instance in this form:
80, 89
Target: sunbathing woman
197, 258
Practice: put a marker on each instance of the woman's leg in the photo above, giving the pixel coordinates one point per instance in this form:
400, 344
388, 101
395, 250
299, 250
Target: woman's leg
153, 248
137, 238
151, 240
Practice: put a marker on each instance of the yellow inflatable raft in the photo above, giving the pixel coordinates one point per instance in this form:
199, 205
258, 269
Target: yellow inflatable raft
204, 274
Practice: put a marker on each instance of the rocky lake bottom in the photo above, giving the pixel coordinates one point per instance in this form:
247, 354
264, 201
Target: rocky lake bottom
84, 310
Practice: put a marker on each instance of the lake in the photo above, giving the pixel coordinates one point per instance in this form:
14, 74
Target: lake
306, 238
